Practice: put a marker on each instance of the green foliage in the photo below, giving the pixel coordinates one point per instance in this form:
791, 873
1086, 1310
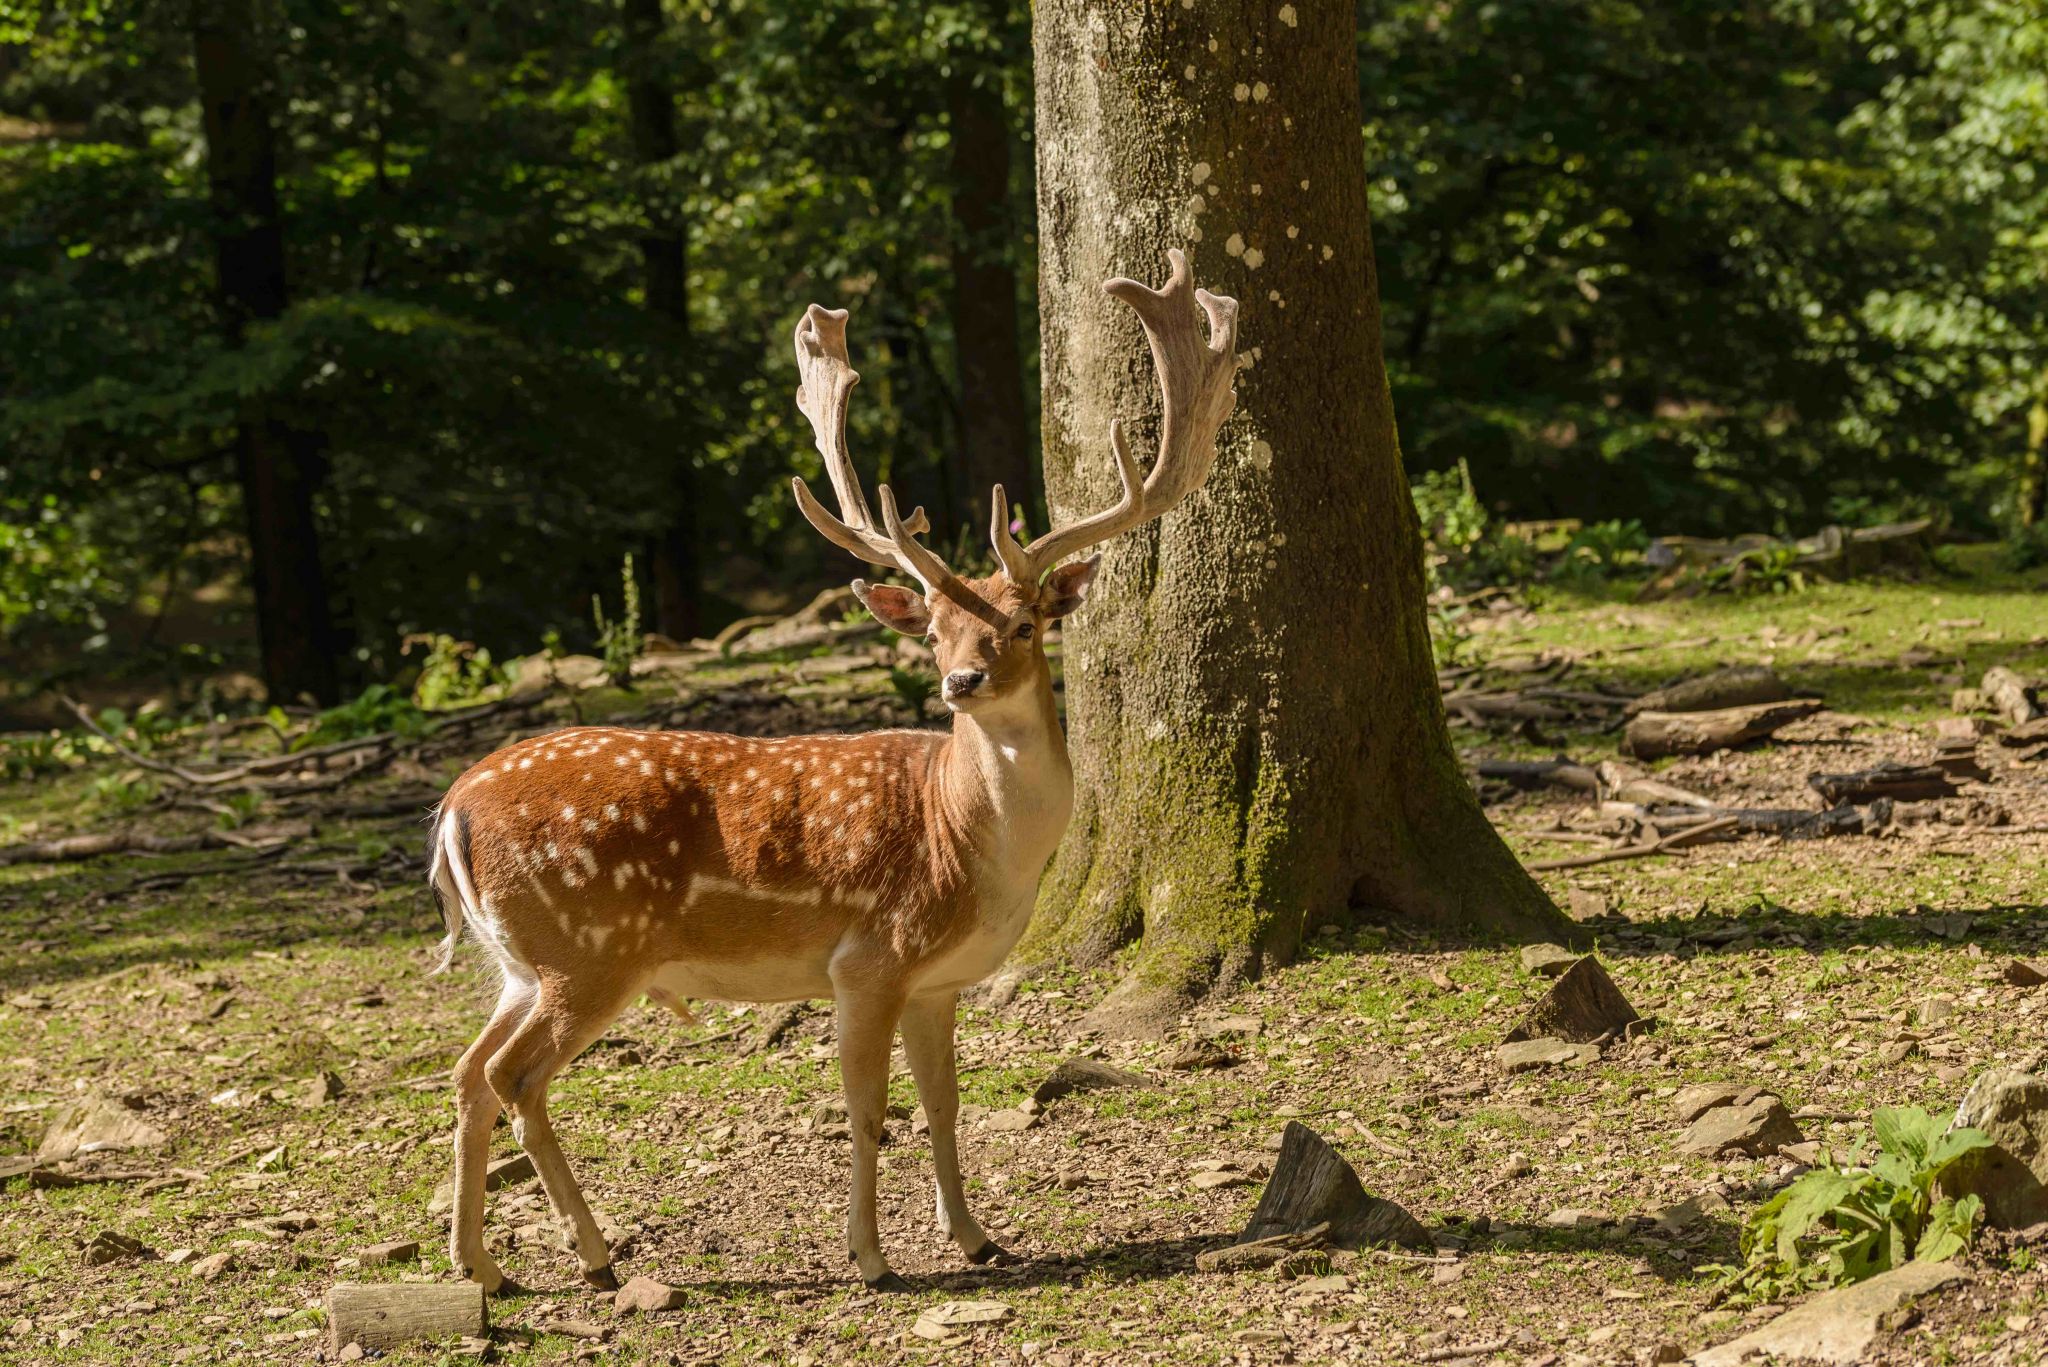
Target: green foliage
1767, 569
915, 685
238, 809
454, 672
1603, 550
37, 755
618, 641
1466, 547
2026, 548
376, 710
123, 793
1837, 1225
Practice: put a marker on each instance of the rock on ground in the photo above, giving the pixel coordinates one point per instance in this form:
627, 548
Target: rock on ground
1548, 961
644, 1295
1527, 1055
95, 1125
1838, 1327
1758, 1127
2012, 1176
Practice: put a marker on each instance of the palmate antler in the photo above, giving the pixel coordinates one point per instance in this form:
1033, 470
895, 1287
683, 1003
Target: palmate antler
824, 378
1196, 377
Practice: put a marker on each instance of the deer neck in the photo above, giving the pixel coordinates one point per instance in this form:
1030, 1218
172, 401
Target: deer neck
1004, 787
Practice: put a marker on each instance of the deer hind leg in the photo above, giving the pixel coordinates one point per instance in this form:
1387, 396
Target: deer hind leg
867, 1028
476, 1111
928, 1044
563, 1022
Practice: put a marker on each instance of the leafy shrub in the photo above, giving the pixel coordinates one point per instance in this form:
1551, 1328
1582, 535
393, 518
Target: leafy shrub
378, 708
618, 642
1464, 546
1838, 1225
122, 793
915, 686
34, 756
455, 672
1601, 550
2026, 548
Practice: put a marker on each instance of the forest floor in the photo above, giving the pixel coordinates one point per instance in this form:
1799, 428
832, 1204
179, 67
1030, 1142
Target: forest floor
211, 991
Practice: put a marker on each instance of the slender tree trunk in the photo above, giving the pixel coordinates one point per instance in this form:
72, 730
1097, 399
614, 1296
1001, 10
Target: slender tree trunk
664, 249
1258, 741
280, 466
2033, 493
994, 417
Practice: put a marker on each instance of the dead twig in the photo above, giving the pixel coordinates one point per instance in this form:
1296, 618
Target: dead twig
1662, 845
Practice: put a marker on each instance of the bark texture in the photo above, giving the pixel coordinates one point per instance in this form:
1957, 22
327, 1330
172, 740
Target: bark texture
1257, 737
280, 467
664, 256
995, 421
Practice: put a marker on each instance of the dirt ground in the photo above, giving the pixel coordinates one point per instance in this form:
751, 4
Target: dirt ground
212, 991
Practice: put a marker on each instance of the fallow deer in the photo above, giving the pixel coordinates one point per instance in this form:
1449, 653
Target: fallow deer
886, 871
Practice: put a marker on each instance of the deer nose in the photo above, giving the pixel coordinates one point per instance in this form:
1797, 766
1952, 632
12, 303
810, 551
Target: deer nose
962, 682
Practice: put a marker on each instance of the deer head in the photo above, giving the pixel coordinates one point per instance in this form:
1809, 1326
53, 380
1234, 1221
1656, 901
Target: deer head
987, 634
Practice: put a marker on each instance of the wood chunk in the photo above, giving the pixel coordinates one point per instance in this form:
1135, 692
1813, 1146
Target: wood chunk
1653, 735
1085, 1075
1312, 1185
1735, 686
1899, 782
389, 1314
1198, 1054
2007, 695
1260, 1253
1581, 1007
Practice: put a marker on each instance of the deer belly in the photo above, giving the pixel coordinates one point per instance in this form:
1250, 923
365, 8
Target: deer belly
763, 978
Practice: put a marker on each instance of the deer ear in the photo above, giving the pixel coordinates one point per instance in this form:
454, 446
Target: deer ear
1066, 588
897, 609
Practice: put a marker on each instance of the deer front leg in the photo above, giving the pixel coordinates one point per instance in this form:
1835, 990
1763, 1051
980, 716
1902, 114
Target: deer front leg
867, 1027
928, 1044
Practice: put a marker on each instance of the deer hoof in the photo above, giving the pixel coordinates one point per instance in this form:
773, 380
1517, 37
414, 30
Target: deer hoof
992, 1253
603, 1278
890, 1283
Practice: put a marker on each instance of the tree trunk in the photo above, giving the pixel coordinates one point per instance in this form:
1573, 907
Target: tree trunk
994, 419
279, 466
664, 245
1253, 708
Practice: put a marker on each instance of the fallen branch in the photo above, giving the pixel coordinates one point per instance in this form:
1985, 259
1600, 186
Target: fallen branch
1662, 845
1737, 686
1652, 735
1559, 772
1900, 782
1450, 1352
74, 848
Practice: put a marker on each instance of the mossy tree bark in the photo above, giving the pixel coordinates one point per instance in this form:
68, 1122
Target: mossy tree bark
1258, 742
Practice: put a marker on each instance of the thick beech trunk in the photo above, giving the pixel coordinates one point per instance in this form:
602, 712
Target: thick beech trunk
1253, 709
280, 467
664, 255
994, 419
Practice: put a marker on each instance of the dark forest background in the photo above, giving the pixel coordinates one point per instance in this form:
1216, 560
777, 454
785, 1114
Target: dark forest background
430, 312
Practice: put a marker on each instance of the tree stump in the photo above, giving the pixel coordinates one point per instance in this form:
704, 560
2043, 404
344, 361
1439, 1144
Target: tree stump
1582, 1007
1311, 1185
1653, 735
389, 1314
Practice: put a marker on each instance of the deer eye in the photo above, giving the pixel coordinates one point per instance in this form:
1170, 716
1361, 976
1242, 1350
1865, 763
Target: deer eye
1024, 632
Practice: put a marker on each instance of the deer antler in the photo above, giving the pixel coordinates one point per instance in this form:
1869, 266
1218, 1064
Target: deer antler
1196, 374
824, 378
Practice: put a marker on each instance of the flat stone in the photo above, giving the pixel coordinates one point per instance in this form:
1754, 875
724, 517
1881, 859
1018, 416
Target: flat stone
107, 1246
504, 1171
1695, 1101
1010, 1122
1198, 1054
1234, 1025
1215, 1178
214, 1266
385, 1254
951, 1317
321, 1089
644, 1295
1577, 1217
1085, 1075
2025, 973
1548, 961
1679, 1217
95, 1124
2011, 1177
1758, 1128
1528, 1055
1838, 1327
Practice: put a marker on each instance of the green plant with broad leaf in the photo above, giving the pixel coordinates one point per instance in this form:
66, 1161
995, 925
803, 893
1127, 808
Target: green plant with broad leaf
377, 709
1838, 1225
